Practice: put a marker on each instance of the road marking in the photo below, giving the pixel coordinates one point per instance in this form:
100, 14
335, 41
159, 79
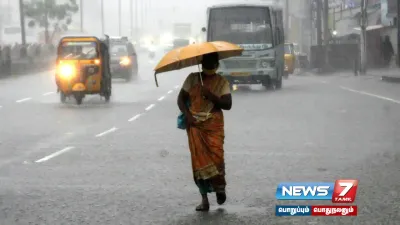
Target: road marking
55, 154
23, 100
177, 86
106, 132
48, 93
149, 107
324, 82
170, 91
161, 98
371, 95
134, 118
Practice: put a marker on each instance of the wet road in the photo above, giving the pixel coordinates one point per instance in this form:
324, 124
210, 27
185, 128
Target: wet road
125, 162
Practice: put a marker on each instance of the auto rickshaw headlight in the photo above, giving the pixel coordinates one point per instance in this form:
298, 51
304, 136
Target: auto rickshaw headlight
66, 70
125, 61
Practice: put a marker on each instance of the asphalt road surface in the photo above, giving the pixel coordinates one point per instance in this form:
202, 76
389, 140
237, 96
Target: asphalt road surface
125, 162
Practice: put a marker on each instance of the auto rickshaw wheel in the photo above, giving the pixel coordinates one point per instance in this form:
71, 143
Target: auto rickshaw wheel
63, 97
79, 97
286, 74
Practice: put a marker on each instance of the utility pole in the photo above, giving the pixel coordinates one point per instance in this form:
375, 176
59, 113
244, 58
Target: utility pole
319, 22
22, 21
363, 47
137, 20
81, 12
326, 31
286, 31
319, 32
119, 18
398, 33
131, 16
102, 17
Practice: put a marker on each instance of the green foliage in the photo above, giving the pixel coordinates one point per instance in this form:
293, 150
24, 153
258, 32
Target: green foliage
47, 13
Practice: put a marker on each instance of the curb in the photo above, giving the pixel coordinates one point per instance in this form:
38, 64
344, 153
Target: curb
391, 79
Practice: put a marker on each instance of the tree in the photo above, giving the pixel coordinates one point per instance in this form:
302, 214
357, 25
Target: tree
47, 13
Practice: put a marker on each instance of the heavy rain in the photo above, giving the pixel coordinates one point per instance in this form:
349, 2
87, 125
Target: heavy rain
224, 112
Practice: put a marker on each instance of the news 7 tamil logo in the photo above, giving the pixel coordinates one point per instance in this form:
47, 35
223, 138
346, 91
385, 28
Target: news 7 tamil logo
342, 191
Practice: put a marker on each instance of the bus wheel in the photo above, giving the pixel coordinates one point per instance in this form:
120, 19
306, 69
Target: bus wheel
278, 83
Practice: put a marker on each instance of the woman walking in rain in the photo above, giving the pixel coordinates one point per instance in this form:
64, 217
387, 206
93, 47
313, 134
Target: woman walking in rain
208, 95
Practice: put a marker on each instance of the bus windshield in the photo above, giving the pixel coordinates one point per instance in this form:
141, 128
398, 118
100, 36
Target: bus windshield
181, 43
241, 25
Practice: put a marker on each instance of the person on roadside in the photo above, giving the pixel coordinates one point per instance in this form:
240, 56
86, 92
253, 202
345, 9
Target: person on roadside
205, 127
387, 51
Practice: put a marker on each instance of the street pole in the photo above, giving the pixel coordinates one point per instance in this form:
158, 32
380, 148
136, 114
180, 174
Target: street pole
318, 23
81, 12
119, 18
102, 17
137, 20
131, 16
22, 21
319, 33
398, 34
363, 27
142, 13
286, 31
326, 31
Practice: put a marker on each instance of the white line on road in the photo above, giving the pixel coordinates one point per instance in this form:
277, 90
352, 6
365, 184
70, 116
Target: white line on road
177, 86
48, 93
55, 154
161, 98
170, 91
149, 107
371, 95
324, 82
23, 100
106, 132
134, 118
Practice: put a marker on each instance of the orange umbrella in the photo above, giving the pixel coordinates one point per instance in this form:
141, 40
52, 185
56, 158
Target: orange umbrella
192, 55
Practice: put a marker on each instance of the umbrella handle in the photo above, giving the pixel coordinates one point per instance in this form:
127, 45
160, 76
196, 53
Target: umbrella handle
201, 78
155, 78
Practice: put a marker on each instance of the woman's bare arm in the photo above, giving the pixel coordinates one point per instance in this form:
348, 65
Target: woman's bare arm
224, 102
183, 97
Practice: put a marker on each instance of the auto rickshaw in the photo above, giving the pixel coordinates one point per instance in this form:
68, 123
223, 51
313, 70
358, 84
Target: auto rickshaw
83, 68
290, 59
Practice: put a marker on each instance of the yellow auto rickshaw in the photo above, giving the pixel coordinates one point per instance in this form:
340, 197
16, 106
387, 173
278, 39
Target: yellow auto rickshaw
290, 59
83, 68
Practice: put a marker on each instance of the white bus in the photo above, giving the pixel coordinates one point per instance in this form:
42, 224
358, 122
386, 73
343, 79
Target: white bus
258, 28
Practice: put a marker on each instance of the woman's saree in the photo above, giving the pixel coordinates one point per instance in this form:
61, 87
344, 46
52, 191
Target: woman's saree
206, 138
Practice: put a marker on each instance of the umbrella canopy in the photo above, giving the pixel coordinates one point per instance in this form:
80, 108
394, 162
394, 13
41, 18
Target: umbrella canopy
192, 55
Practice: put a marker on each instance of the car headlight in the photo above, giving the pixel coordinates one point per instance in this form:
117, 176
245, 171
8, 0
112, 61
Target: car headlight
125, 61
66, 71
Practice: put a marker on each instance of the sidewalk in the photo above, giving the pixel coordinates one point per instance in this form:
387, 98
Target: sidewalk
386, 74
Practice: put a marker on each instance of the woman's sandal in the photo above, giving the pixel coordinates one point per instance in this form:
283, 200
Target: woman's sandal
221, 197
203, 207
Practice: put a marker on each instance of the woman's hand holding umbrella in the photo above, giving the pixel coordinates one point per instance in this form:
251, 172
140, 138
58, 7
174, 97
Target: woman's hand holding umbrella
208, 94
